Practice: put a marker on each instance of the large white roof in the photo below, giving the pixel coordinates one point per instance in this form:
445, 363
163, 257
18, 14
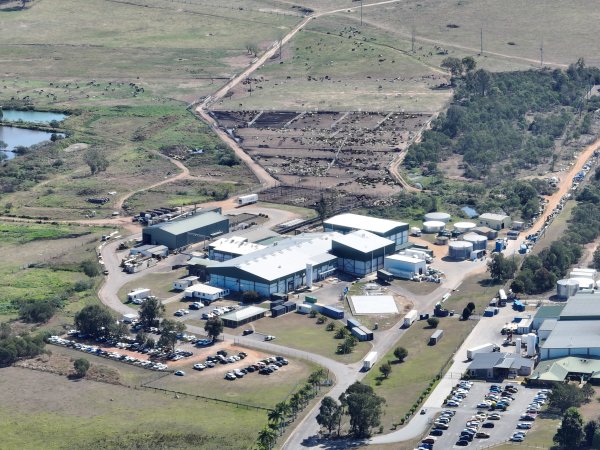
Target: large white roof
243, 313
405, 258
235, 244
286, 257
363, 241
492, 216
367, 223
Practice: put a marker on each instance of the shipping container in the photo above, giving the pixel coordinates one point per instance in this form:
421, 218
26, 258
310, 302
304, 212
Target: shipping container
367, 332
359, 334
279, 296
332, 312
290, 306
276, 303
436, 337
409, 318
351, 323
305, 308
369, 360
308, 299
278, 311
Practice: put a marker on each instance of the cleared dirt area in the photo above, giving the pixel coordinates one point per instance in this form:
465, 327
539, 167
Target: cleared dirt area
345, 151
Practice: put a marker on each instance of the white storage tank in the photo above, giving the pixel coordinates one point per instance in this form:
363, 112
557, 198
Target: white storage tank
530, 341
433, 226
437, 217
584, 283
464, 227
479, 242
578, 273
518, 346
566, 288
441, 240
460, 250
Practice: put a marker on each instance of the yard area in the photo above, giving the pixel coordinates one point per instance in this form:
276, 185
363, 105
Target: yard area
301, 332
540, 436
160, 283
409, 379
100, 415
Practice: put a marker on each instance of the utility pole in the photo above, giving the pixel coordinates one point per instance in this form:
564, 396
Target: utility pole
361, 12
481, 41
542, 53
412, 39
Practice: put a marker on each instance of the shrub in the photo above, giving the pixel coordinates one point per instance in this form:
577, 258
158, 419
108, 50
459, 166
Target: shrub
433, 322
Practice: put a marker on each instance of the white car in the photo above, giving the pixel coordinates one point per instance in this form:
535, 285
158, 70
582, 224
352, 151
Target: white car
180, 373
269, 338
230, 376
199, 366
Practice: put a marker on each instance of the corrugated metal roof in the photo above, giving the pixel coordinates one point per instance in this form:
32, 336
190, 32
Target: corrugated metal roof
558, 369
582, 305
548, 324
363, 241
235, 244
492, 216
549, 312
243, 313
367, 223
204, 289
574, 334
405, 258
190, 223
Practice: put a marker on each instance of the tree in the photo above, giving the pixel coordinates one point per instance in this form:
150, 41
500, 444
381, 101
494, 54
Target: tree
400, 353
37, 311
501, 268
482, 81
590, 430
433, 322
597, 259
385, 369
341, 333
295, 404
96, 160
250, 297
151, 311
565, 396
330, 326
213, 327
90, 268
466, 314
81, 366
278, 414
469, 64
570, 433
347, 346
329, 414
587, 391
316, 377
95, 321
471, 306
364, 408
170, 330
453, 65
322, 208
267, 438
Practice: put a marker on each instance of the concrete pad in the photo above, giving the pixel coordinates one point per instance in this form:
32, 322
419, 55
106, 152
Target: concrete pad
373, 304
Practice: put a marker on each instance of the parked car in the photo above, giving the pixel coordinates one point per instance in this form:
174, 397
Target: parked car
482, 435
488, 425
269, 338
524, 426
436, 432
180, 373
199, 366
247, 332
230, 376
462, 443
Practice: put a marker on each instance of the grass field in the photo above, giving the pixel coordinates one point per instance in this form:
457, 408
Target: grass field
160, 283
540, 436
90, 415
409, 379
301, 332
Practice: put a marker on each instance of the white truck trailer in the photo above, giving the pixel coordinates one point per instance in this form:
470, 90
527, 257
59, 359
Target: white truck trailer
484, 348
369, 360
410, 317
247, 199
139, 294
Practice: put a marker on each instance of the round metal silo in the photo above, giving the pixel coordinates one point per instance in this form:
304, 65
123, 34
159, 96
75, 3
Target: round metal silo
566, 288
464, 227
437, 216
441, 240
460, 250
433, 226
479, 242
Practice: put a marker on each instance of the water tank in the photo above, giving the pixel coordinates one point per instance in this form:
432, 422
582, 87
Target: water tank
441, 240
433, 226
479, 242
518, 346
530, 341
437, 217
566, 288
460, 250
463, 227
584, 283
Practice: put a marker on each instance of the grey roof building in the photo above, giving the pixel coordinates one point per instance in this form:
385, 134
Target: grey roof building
572, 338
546, 312
497, 365
389, 229
361, 252
582, 307
183, 232
243, 316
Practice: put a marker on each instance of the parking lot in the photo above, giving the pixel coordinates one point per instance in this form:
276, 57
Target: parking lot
503, 428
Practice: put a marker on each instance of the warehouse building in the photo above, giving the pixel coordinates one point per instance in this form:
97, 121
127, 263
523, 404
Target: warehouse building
404, 266
546, 312
389, 229
497, 365
361, 252
581, 307
183, 232
243, 316
231, 247
197, 266
279, 268
572, 338
559, 370
495, 221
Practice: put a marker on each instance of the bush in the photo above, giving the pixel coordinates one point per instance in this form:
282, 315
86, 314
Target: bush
250, 297
90, 268
81, 366
37, 312
433, 322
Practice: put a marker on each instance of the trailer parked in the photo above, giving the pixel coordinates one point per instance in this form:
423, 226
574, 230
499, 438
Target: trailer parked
247, 199
369, 360
409, 318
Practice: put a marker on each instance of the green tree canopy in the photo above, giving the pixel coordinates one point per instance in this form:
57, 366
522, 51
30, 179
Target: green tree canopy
151, 311
213, 327
81, 366
169, 331
329, 413
400, 353
364, 408
570, 434
94, 321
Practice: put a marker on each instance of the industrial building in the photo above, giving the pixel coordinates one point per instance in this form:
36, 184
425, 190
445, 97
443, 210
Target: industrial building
205, 292
389, 229
404, 266
231, 247
243, 316
558, 370
497, 365
183, 232
184, 283
581, 307
572, 338
495, 221
361, 252
281, 267
546, 312
197, 266
154, 251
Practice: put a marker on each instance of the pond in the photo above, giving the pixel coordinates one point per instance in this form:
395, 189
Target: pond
11, 115
15, 137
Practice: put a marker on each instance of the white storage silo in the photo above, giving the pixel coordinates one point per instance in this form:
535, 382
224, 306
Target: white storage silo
530, 341
309, 275
460, 250
577, 273
433, 226
437, 216
518, 346
479, 242
464, 227
566, 288
441, 240
584, 283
